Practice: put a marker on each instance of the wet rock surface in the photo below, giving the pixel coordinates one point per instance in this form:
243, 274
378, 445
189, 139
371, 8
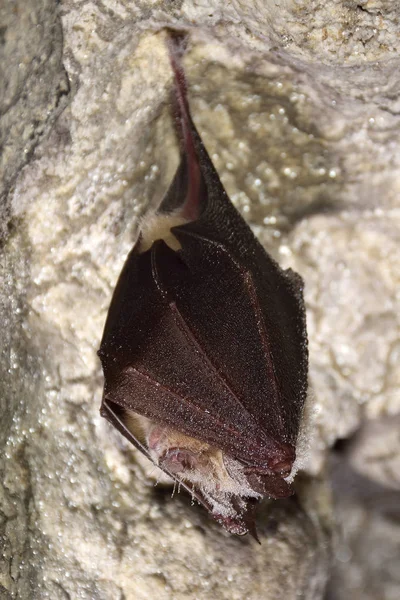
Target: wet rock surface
297, 105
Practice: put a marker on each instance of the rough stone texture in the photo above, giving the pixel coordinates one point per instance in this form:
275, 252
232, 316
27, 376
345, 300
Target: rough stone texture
33, 85
297, 103
368, 534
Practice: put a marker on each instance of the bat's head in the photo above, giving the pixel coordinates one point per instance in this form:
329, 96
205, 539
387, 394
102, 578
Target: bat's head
226, 487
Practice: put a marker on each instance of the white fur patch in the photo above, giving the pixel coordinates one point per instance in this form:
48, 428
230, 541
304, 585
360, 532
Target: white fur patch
208, 475
158, 227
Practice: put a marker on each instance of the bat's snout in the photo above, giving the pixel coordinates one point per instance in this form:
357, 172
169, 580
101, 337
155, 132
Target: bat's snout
177, 461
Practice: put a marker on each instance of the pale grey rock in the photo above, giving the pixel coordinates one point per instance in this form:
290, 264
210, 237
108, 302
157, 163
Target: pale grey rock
33, 85
367, 548
374, 451
297, 103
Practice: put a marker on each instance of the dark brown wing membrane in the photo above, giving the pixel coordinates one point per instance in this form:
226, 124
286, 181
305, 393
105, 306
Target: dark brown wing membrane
259, 332
159, 363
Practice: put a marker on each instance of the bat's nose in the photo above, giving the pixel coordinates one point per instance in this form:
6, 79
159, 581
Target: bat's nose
177, 461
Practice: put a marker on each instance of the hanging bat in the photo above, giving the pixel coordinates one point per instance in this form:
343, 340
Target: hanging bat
204, 350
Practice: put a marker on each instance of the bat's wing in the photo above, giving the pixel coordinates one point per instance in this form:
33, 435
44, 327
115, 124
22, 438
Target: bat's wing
255, 325
187, 346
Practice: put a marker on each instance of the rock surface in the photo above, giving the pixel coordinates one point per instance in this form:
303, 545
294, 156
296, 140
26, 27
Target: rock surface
33, 85
297, 103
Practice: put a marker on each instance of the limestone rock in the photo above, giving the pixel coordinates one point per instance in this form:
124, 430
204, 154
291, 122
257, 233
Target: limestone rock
297, 102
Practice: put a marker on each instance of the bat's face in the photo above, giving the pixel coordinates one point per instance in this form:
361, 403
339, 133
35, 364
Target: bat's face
219, 481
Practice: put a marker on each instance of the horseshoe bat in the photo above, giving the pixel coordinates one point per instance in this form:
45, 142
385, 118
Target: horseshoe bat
204, 350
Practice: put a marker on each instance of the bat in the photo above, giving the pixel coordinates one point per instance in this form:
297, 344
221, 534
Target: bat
204, 350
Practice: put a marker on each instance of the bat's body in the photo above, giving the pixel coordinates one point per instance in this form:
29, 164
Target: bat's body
205, 348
